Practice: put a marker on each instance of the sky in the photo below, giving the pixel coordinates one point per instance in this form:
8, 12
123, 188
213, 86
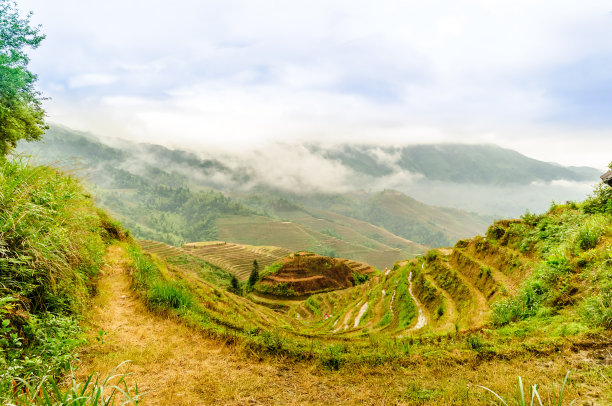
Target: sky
535, 76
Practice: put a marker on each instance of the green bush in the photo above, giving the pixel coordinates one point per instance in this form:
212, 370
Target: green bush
52, 244
386, 319
360, 278
525, 304
597, 310
587, 237
600, 201
169, 294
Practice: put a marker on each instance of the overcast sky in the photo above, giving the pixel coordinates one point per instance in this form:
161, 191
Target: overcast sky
531, 75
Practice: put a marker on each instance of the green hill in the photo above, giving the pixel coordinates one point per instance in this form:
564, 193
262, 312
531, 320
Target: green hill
536, 285
165, 195
457, 163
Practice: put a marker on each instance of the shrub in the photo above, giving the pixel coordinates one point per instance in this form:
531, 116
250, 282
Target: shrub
52, 244
525, 304
600, 201
360, 278
431, 255
440, 311
386, 319
587, 237
169, 294
597, 310
475, 342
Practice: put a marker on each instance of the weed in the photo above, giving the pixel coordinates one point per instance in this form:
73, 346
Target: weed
95, 391
556, 400
419, 395
587, 237
169, 294
475, 342
332, 358
386, 319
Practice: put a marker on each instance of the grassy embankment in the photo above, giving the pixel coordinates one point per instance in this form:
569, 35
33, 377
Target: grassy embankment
52, 245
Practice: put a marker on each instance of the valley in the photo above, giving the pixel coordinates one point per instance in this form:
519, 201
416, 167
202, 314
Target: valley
305, 203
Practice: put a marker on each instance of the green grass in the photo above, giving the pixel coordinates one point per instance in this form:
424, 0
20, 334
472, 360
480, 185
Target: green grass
95, 390
533, 398
52, 244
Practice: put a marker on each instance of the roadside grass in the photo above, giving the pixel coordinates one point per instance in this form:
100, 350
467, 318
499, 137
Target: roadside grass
52, 245
92, 391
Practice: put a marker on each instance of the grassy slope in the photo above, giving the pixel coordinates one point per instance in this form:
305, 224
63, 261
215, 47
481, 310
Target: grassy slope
201, 370
52, 242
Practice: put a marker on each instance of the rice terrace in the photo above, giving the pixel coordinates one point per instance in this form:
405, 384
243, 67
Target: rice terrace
305, 203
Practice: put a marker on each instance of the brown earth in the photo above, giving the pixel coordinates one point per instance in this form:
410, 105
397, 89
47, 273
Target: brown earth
307, 273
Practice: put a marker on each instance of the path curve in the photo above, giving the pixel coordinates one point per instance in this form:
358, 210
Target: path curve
421, 320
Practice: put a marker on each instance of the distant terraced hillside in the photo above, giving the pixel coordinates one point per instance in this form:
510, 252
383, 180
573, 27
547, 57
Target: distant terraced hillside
462, 288
233, 258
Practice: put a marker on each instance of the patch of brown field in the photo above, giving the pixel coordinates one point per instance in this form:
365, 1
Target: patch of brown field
175, 365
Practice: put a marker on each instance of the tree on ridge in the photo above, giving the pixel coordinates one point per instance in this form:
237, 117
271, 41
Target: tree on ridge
21, 113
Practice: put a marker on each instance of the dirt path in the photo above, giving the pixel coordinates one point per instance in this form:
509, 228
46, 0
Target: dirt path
178, 366
362, 311
421, 320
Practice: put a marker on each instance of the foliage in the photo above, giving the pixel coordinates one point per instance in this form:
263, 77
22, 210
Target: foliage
271, 269
254, 276
556, 400
386, 319
160, 293
52, 244
21, 112
169, 294
360, 278
600, 201
314, 306
597, 309
94, 391
234, 285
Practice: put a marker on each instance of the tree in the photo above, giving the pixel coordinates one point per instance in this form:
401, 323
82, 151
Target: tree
254, 277
21, 112
234, 285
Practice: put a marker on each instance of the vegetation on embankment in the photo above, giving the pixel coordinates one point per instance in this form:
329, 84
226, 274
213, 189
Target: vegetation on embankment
52, 245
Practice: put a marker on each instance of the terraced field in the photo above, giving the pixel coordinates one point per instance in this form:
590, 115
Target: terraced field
442, 292
234, 258
458, 286
258, 230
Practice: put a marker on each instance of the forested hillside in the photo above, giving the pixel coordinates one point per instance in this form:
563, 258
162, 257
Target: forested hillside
166, 195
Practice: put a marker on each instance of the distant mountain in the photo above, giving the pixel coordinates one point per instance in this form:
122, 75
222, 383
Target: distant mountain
458, 163
347, 200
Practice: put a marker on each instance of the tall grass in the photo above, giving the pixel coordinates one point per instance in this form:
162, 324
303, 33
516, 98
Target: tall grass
533, 395
94, 391
52, 244
159, 292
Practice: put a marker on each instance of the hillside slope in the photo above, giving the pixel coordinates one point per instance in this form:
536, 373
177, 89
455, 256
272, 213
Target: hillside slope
52, 246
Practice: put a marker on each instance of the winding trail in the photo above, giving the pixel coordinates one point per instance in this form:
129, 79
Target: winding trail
362, 311
421, 320
391, 304
176, 365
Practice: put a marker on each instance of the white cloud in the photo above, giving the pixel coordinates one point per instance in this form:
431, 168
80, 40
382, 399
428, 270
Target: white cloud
242, 72
90, 79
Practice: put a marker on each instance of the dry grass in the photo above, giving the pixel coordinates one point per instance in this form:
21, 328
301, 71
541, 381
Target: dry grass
178, 366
